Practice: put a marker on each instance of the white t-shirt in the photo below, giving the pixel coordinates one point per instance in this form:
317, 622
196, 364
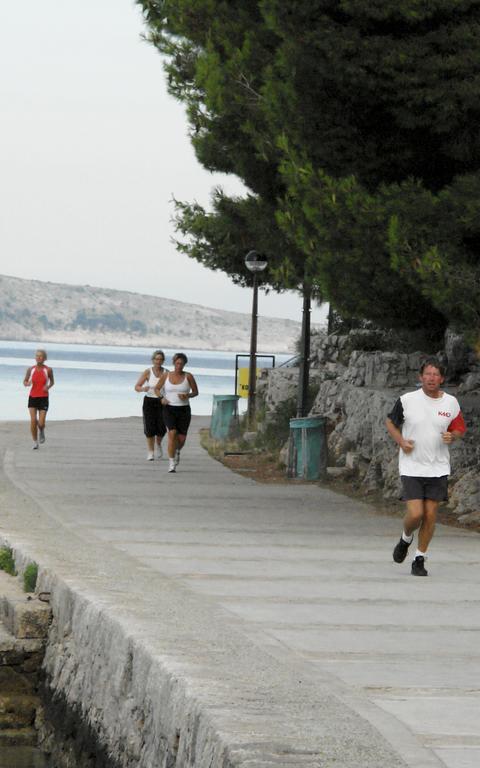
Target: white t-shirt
423, 419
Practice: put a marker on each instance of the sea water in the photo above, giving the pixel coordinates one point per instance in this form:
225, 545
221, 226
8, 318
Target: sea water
97, 382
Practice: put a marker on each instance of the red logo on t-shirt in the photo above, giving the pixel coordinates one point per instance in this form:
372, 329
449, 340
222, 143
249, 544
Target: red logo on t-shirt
444, 413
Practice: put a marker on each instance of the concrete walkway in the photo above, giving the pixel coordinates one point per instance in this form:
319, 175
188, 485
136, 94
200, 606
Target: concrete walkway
313, 647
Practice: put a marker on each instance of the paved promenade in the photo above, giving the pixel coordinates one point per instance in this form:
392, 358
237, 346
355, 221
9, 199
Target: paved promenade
313, 647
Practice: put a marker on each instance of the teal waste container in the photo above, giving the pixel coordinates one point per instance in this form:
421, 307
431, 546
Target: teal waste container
308, 447
224, 416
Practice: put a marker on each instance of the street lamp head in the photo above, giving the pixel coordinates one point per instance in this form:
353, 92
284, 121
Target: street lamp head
255, 262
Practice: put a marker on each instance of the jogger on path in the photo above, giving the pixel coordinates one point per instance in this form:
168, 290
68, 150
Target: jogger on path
40, 378
423, 424
178, 387
153, 424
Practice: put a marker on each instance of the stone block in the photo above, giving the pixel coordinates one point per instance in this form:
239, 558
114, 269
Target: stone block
18, 737
27, 619
26, 655
471, 382
22, 757
32, 661
17, 710
283, 455
12, 681
338, 472
352, 460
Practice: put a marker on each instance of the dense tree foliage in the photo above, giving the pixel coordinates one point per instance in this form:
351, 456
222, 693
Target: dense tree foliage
208, 50
354, 124
383, 159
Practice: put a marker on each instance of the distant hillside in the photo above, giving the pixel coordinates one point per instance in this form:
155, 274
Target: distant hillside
33, 310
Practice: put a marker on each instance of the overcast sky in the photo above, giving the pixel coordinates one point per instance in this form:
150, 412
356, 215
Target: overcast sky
92, 150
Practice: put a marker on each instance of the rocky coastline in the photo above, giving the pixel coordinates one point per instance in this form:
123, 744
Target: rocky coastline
83, 314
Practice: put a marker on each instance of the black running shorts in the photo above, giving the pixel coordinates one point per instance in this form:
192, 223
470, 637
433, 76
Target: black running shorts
40, 403
153, 424
434, 488
177, 417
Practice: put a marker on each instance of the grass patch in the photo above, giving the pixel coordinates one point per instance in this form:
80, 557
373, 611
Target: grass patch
30, 576
7, 562
246, 459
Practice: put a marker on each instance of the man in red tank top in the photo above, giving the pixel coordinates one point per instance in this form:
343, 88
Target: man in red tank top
40, 378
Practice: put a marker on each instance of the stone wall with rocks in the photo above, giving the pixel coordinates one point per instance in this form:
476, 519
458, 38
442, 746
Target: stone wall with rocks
113, 704
24, 624
356, 389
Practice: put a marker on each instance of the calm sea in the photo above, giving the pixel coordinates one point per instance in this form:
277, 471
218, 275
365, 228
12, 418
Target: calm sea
93, 382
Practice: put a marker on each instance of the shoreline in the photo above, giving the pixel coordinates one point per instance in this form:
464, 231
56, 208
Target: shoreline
141, 346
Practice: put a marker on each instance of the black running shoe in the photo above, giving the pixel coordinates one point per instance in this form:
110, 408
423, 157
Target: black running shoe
400, 551
418, 567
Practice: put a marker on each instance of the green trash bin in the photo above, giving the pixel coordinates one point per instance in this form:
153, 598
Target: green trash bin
224, 416
308, 448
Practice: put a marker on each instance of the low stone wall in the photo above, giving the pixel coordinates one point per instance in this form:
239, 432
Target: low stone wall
24, 623
113, 704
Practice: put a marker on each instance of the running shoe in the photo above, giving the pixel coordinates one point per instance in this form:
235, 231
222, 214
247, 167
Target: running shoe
172, 465
177, 457
159, 452
418, 566
150, 456
35, 447
41, 433
400, 551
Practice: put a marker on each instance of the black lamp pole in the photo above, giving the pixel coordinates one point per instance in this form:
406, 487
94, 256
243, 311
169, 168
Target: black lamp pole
252, 373
304, 372
256, 263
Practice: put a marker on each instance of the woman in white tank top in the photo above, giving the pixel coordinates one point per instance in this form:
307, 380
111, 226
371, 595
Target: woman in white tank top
178, 387
153, 424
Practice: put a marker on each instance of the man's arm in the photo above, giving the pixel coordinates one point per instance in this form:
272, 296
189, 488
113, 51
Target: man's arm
449, 437
407, 446
456, 429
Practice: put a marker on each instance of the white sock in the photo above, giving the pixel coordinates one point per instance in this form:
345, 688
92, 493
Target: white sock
407, 539
418, 553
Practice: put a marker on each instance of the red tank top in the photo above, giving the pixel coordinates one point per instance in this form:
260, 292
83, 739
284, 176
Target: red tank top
39, 379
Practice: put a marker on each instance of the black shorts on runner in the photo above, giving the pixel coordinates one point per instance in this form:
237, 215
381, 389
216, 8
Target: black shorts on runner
153, 423
177, 417
434, 488
40, 403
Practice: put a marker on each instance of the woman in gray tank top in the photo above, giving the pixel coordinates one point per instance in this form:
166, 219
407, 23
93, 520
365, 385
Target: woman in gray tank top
153, 425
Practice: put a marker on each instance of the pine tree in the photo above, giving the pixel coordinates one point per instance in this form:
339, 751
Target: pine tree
354, 126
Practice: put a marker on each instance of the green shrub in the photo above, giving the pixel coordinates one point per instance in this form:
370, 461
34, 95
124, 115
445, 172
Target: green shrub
30, 575
276, 425
275, 429
7, 563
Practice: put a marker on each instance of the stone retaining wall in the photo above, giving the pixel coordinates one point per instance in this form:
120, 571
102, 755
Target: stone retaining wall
24, 622
113, 705
355, 391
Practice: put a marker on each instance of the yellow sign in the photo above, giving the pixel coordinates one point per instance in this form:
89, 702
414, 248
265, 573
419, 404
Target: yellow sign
242, 381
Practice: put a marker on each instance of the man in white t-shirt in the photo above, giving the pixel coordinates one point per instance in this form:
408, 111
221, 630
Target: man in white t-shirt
424, 423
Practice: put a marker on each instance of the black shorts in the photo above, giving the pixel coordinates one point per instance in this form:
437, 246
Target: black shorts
434, 488
153, 423
40, 403
177, 417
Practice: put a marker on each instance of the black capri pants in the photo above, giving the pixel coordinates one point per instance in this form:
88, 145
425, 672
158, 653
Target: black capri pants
177, 417
153, 423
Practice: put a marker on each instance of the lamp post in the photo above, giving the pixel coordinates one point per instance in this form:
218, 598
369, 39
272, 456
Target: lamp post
255, 263
304, 371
